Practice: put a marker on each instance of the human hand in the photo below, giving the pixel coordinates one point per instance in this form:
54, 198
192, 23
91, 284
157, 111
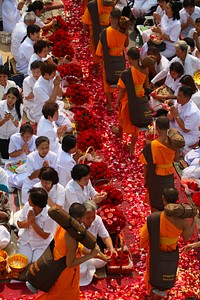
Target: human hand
77, 155
20, 5
25, 148
173, 111
187, 248
54, 21
190, 21
99, 197
45, 163
61, 130
31, 217
195, 36
57, 81
152, 86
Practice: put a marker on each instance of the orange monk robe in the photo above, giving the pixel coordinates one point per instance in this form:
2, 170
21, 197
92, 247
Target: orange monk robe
115, 40
104, 15
139, 79
163, 157
169, 235
84, 5
67, 285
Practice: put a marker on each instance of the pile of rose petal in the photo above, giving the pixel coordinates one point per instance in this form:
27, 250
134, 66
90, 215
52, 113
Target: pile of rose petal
128, 172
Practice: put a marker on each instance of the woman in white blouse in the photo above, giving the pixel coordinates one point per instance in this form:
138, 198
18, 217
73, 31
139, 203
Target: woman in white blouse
189, 81
11, 112
49, 182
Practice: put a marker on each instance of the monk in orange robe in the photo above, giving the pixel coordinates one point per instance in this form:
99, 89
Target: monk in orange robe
116, 41
158, 158
103, 15
67, 285
171, 228
140, 79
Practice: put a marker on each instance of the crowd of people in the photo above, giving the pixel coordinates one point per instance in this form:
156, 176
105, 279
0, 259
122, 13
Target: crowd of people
50, 174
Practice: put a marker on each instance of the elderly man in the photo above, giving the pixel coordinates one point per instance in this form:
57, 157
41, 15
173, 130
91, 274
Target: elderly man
20, 31
185, 116
190, 63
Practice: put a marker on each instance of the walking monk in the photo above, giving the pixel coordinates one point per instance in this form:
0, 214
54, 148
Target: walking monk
96, 18
116, 40
171, 228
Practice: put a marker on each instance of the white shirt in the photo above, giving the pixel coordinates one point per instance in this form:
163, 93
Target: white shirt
173, 84
97, 228
28, 84
4, 237
56, 194
16, 143
65, 165
3, 90
3, 177
49, 129
8, 128
196, 98
38, 21
35, 162
191, 65
190, 115
183, 19
19, 32
191, 33
29, 236
74, 193
24, 55
162, 65
10, 14
172, 28
193, 157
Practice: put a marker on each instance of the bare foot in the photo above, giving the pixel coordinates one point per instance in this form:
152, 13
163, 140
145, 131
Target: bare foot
115, 130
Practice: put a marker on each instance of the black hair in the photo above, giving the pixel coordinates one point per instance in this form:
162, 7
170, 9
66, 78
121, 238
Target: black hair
77, 210
134, 53
16, 93
39, 46
115, 13
188, 3
4, 70
162, 122
36, 64
48, 67
49, 174
49, 109
197, 20
170, 194
40, 140
177, 67
186, 90
38, 196
154, 50
31, 29
189, 81
26, 127
79, 171
68, 142
175, 7
190, 41
35, 5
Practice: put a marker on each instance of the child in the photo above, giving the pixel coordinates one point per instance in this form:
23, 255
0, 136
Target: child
5, 84
195, 35
28, 84
11, 112
42, 157
38, 226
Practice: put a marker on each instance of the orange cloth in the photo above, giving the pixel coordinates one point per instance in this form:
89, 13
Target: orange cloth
104, 15
163, 157
139, 79
67, 285
115, 40
168, 231
84, 5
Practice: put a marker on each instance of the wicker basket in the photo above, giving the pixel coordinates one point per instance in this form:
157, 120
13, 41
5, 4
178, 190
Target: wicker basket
3, 260
17, 263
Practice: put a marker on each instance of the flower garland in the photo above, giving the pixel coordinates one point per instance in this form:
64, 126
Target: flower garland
196, 198
114, 195
70, 71
78, 94
98, 170
84, 119
89, 138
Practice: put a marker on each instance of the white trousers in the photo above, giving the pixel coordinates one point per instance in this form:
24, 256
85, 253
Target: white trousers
31, 254
142, 7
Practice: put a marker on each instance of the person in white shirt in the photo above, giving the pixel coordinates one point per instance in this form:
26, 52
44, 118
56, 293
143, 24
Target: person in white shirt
188, 14
21, 144
190, 63
47, 88
185, 116
187, 80
42, 157
19, 32
94, 224
161, 61
11, 112
5, 84
80, 189
37, 226
194, 34
192, 158
47, 126
142, 7
41, 51
3, 177
66, 160
26, 48
49, 182
11, 14
28, 84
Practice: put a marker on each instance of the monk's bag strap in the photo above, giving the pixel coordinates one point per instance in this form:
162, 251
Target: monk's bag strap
163, 265
44, 272
139, 109
114, 65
